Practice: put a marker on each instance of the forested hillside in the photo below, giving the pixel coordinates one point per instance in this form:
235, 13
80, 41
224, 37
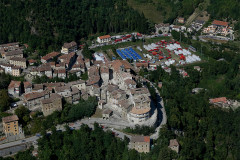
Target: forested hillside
169, 9
226, 9
48, 23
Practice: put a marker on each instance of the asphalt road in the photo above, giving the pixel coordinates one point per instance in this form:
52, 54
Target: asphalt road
26, 140
74, 125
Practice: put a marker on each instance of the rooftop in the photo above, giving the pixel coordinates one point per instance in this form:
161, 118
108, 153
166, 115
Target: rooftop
217, 100
33, 95
69, 45
52, 98
14, 84
50, 55
136, 110
104, 37
10, 118
220, 23
107, 111
27, 84
13, 53
173, 143
118, 63
18, 59
140, 139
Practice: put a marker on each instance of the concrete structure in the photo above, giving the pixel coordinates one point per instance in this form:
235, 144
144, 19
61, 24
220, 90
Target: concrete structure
104, 39
69, 47
11, 54
107, 114
27, 87
142, 105
165, 28
14, 88
181, 20
51, 104
140, 143
80, 84
9, 46
49, 57
7, 68
16, 71
10, 125
18, 61
12, 150
174, 145
33, 100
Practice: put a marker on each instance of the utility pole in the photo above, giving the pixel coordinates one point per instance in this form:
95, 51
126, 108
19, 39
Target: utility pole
180, 37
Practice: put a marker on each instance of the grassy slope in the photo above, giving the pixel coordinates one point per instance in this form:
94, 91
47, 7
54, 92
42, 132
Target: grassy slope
149, 10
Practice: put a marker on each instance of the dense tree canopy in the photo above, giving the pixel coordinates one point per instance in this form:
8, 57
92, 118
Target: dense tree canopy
47, 24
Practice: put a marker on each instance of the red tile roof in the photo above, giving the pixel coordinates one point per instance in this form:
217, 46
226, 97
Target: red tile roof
32, 61
118, 63
146, 139
69, 45
10, 118
140, 139
50, 55
220, 23
105, 37
14, 84
140, 64
173, 142
27, 84
217, 100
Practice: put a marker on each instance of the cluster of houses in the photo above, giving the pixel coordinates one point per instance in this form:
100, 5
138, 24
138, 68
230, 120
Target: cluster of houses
218, 28
143, 144
224, 103
13, 60
119, 93
111, 82
107, 39
60, 65
47, 97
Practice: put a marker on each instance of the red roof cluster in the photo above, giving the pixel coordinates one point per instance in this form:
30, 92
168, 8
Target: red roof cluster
220, 23
105, 37
50, 55
220, 99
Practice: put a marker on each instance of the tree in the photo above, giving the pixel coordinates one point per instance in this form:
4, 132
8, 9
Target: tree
4, 100
23, 115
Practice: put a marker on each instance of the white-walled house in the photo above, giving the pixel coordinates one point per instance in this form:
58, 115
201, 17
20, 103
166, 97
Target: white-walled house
104, 39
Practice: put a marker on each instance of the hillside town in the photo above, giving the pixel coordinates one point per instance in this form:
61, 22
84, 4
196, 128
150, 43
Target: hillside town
123, 96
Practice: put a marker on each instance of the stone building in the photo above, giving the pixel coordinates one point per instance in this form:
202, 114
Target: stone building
174, 145
18, 61
140, 143
51, 104
27, 87
165, 28
14, 88
69, 47
80, 84
14, 53
33, 100
10, 125
16, 71
104, 39
142, 105
107, 113
49, 57
104, 70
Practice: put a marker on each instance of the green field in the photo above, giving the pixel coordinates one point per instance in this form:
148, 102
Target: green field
148, 9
